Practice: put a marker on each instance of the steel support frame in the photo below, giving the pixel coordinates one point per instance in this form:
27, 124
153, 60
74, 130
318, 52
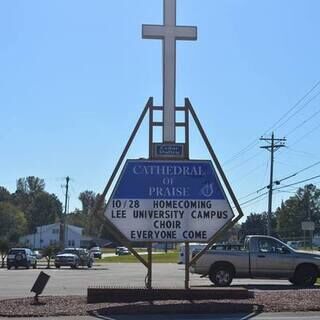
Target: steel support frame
188, 108
231, 223
110, 227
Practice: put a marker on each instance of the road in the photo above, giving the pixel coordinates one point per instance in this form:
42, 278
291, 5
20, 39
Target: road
262, 316
66, 281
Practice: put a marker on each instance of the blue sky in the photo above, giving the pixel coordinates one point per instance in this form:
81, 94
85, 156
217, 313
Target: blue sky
75, 75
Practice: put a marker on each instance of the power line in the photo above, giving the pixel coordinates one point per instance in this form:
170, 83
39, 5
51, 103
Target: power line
295, 183
249, 173
303, 122
276, 189
301, 108
242, 151
306, 154
293, 107
255, 142
248, 195
296, 173
305, 135
291, 175
242, 163
250, 200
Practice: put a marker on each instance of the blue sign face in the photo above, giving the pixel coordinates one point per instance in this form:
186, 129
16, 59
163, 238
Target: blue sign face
172, 201
142, 179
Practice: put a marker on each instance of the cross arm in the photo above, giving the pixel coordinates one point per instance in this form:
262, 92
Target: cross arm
186, 33
151, 31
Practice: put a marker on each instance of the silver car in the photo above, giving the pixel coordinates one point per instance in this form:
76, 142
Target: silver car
73, 257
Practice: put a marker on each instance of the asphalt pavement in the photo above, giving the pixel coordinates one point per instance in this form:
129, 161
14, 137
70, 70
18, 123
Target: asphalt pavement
67, 281
262, 316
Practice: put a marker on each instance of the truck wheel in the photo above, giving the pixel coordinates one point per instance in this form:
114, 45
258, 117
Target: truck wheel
305, 276
221, 276
292, 280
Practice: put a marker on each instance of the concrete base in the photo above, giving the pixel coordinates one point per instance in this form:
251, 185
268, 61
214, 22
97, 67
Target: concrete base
105, 294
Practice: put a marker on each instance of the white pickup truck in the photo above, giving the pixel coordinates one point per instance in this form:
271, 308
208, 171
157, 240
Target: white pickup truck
261, 257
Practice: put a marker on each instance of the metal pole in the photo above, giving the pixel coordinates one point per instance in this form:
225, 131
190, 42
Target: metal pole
224, 179
272, 148
213, 156
187, 137
187, 265
111, 228
270, 186
133, 134
149, 275
150, 129
65, 212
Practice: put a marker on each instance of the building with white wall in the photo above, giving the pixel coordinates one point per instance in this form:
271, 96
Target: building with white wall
49, 235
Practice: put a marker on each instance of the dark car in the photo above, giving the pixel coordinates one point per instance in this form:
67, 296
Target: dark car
21, 257
73, 257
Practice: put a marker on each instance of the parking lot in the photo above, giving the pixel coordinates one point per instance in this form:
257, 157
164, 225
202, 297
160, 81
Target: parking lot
67, 281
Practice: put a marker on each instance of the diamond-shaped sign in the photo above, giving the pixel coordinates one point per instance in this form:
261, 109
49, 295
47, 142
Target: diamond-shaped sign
174, 201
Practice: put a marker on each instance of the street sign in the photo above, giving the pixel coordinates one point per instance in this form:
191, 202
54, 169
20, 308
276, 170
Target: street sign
307, 225
169, 151
174, 201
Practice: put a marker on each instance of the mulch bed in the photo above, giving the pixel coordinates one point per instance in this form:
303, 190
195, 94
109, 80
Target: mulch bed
267, 301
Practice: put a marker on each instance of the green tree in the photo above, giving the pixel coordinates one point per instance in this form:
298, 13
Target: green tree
4, 249
304, 205
27, 189
88, 200
12, 222
4, 194
79, 219
44, 209
30, 185
39, 206
49, 252
256, 223
96, 220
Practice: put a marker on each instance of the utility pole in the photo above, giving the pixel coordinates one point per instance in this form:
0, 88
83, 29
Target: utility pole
64, 216
274, 145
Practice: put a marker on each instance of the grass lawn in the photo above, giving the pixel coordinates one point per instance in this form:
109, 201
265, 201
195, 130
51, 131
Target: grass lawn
112, 250
170, 257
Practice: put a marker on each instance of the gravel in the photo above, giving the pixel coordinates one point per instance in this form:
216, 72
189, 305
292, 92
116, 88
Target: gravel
266, 300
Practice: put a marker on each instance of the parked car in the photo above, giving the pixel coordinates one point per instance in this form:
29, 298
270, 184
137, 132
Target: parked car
37, 254
295, 244
262, 257
21, 257
73, 257
96, 252
122, 251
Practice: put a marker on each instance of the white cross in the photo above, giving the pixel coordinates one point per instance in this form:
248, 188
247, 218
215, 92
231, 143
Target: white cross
169, 32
